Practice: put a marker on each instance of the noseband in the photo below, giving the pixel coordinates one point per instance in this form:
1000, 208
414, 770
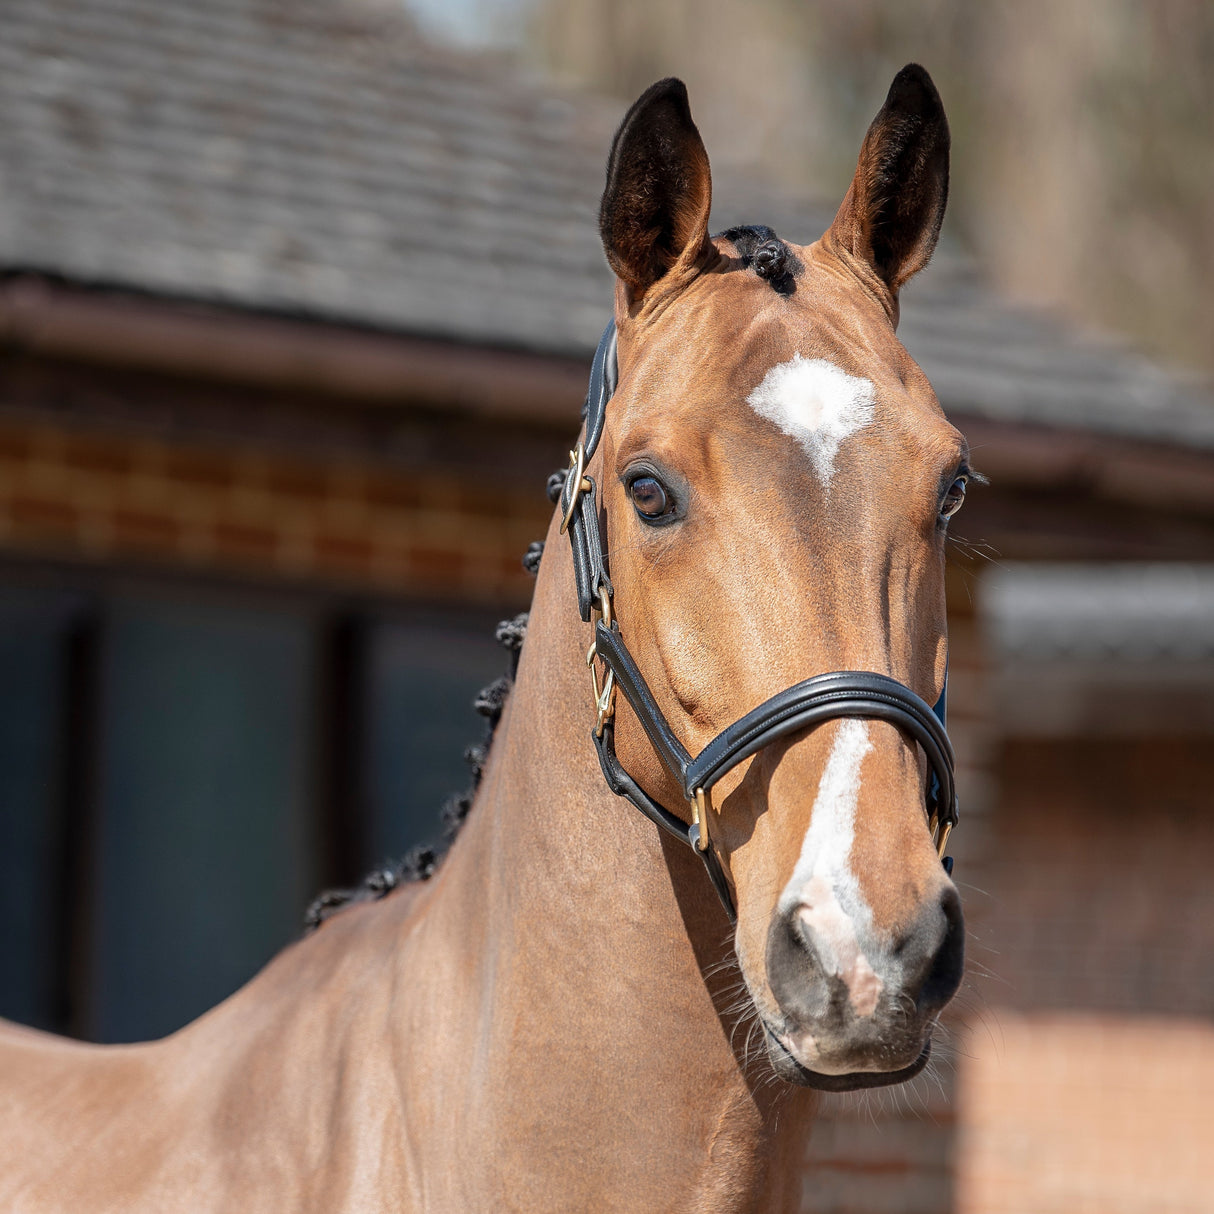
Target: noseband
824, 697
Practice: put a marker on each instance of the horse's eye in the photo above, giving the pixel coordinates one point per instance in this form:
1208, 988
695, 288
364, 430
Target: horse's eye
954, 498
649, 497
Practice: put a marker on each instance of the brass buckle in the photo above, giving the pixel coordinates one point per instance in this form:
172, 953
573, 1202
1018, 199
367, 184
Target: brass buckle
604, 697
699, 819
581, 483
602, 609
605, 704
940, 831
945, 830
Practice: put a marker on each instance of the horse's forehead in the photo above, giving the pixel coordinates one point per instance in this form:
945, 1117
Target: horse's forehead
821, 368
736, 328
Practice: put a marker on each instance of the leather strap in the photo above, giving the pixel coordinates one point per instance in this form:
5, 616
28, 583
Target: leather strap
824, 697
629, 680
589, 564
604, 375
843, 693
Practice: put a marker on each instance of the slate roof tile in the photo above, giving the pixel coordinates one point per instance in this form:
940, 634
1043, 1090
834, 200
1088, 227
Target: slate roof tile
314, 157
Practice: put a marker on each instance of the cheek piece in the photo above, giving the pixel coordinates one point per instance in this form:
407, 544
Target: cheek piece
824, 697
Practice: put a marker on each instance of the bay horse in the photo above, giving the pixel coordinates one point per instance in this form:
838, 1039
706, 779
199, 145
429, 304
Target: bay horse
576, 1011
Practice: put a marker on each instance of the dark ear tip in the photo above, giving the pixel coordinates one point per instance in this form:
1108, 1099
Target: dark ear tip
913, 91
671, 89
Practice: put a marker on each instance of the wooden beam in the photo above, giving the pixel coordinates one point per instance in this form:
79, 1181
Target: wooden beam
217, 344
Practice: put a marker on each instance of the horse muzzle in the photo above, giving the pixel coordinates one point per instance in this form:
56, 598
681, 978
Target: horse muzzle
852, 1012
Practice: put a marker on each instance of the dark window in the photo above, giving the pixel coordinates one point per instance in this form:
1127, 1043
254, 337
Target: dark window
35, 630
205, 825
183, 769
422, 679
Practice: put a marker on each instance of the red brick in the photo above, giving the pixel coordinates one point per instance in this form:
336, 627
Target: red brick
246, 542
303, 481
198, 467
400, 492
347, 554
141, 529
43, 514
510, 567
488, 499
15, 445
437, 563
88, 454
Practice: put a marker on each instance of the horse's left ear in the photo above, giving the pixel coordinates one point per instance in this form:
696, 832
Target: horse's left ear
891, 216
654, 215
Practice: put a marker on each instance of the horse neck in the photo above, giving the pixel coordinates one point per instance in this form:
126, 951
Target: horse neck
558, 856
583, 941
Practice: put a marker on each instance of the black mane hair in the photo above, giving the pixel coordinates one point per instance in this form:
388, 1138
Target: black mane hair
420, 863
761, 250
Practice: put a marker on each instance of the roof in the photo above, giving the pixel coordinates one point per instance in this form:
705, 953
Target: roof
315, 158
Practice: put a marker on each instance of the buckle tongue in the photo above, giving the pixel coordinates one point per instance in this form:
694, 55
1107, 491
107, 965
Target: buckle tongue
581, 483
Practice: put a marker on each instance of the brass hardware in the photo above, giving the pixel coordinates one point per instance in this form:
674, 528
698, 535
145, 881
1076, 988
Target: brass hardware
604, 697
591, 654
945, 830
603, 609
699, 818
606, 704
581, 483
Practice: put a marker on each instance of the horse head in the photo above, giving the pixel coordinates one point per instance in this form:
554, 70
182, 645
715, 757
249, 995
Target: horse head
775, 482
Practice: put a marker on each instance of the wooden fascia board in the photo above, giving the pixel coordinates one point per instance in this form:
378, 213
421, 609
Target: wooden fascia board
226, 345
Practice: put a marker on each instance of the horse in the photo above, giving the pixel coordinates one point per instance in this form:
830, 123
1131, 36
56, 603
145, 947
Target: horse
576, 1010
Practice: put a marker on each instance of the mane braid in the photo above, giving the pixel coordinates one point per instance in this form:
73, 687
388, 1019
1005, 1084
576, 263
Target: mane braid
761, 250
421, 863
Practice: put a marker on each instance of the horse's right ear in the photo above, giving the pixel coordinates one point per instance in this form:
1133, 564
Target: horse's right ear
654, 215
891, 216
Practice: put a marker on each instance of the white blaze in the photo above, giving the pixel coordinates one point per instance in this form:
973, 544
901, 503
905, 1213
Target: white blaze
823, 873
816, 403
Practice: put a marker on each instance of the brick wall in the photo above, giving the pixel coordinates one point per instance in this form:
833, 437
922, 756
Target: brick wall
71, 491
1085, 1074
1102, 898
1086, 1114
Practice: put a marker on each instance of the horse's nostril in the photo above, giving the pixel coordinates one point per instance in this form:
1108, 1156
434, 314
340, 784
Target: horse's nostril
944, 974
794, 968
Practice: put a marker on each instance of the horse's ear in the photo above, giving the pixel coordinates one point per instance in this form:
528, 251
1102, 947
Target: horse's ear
654, 214
891, 216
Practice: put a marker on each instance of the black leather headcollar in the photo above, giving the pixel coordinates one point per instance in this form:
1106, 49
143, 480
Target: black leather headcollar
824, 697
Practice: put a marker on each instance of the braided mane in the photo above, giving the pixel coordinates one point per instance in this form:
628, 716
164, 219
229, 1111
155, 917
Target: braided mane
421, 862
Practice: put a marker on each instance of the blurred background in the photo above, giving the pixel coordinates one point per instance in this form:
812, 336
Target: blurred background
297, 299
